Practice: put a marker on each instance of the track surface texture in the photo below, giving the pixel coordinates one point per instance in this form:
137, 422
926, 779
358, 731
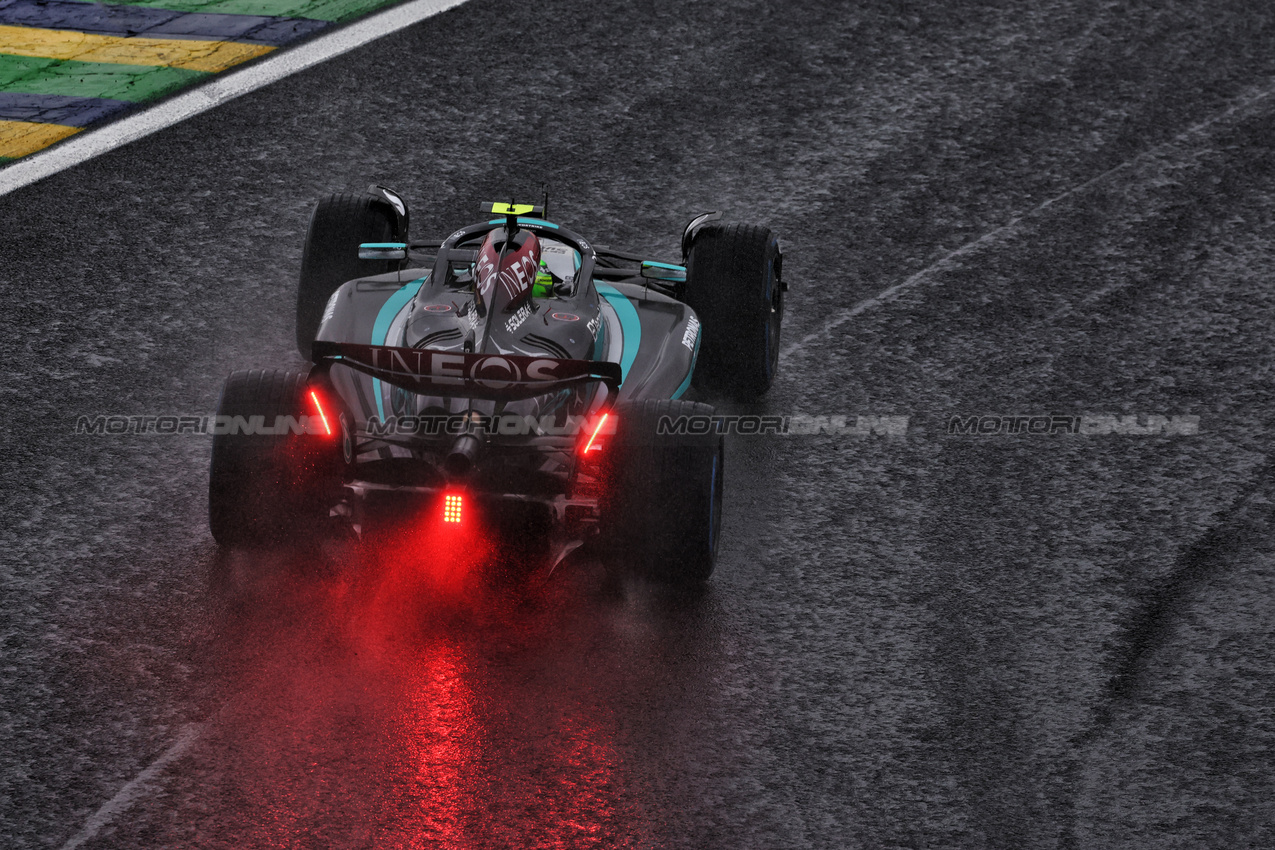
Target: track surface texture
920, 641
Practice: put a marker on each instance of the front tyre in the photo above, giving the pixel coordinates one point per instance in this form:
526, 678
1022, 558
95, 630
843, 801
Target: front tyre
662, 514
733, 284
339, 224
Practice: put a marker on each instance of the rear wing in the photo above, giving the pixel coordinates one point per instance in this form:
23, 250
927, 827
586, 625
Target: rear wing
498, 377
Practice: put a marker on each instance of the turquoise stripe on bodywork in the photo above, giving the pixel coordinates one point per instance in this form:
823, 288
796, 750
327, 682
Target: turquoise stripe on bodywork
686, 384
381, 329
522, 220
630, 326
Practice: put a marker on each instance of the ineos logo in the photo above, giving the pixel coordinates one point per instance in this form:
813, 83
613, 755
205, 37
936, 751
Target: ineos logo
497, 373
506, 373
517, 277
490, 371
485, 271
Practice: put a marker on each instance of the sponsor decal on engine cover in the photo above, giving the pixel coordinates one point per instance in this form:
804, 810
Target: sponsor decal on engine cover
691, 333
515, 321
329, 309
517, 276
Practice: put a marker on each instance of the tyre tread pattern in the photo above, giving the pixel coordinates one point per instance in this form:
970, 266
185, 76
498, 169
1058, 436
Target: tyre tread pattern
661, 516
259, 486
339, 223
726, 274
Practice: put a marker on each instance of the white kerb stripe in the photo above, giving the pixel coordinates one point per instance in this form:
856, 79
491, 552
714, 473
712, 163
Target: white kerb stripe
216, 91
136, 788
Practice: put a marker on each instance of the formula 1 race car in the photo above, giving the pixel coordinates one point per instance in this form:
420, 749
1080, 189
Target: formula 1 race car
512, 375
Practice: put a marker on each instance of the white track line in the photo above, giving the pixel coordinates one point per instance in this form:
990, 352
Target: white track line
136, 788
216, 91
888, 295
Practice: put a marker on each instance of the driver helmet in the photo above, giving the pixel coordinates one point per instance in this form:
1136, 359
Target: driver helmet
543, 287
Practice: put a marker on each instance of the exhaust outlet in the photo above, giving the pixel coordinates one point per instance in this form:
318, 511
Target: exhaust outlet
463, 456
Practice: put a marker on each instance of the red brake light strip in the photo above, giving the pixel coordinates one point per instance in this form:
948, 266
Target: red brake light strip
589, 445
323, 416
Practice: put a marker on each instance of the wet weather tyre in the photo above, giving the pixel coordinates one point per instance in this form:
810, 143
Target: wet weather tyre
267, 489
663, 513
733, 285
330, 257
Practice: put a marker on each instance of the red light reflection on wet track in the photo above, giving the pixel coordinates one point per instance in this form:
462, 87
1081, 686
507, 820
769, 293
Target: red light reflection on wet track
408, 704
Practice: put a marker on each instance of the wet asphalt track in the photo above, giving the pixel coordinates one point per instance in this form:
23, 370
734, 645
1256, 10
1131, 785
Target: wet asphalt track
925, 641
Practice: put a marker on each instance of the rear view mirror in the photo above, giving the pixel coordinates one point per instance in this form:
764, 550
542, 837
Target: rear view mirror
383, 251
663, 271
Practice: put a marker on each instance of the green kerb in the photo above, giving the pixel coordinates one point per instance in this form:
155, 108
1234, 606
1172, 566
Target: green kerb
31, 75
319, 10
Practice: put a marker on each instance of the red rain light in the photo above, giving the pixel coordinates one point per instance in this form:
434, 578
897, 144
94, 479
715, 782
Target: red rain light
452, 507
327, 429
589, 446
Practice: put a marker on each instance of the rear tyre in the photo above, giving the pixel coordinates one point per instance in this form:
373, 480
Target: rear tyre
269, 489
331, 255
663, 512
733, 285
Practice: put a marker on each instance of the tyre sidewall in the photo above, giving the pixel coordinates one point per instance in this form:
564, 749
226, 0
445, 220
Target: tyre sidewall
733, 286
338, 225
662, 516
